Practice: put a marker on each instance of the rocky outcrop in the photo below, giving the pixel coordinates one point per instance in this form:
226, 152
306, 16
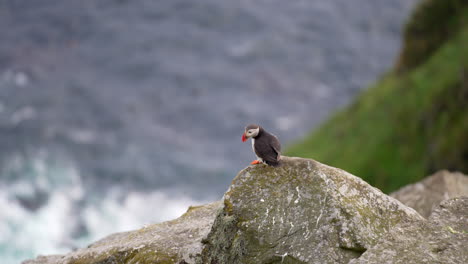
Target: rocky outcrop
176, 241
440, 240
301, 212
427, 194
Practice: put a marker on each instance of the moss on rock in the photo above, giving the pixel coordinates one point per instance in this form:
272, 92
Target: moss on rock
300, 212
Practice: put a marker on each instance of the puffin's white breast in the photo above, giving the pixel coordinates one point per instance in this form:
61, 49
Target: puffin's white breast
253, 148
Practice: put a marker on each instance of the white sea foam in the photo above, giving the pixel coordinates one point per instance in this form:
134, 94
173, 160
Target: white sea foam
70, 209
135, 210
26, 233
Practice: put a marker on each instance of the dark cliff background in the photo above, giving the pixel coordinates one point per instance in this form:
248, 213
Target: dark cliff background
117, 113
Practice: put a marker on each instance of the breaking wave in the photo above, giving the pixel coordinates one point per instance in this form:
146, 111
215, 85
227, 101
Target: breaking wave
49, 211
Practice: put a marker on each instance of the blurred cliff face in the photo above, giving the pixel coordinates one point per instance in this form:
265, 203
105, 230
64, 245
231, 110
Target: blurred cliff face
157, 93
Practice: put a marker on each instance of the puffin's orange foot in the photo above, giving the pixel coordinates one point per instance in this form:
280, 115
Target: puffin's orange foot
255, 162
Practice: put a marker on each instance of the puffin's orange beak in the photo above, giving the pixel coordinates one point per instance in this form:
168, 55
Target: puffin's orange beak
244, 138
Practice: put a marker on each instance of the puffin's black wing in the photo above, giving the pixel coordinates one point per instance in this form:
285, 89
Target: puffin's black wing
275, 144
268, 148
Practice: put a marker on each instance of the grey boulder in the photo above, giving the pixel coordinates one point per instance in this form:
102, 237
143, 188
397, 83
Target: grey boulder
301, 212
427, 194
443, 239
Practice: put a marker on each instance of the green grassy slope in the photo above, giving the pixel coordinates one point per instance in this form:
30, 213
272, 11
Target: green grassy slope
412, 122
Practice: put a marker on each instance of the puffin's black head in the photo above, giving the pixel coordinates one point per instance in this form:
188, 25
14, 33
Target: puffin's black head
251, 131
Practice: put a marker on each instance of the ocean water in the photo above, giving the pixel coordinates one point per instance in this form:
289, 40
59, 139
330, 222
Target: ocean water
115, 114
49, 211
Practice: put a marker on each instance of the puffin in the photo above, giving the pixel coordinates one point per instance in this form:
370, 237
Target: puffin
266, 146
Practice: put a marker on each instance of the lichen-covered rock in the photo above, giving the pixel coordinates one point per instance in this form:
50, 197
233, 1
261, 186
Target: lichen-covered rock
176, 241
301, 212
440, 240
425, 195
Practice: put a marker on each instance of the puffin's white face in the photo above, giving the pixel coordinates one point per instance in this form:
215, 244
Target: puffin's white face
252, 132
